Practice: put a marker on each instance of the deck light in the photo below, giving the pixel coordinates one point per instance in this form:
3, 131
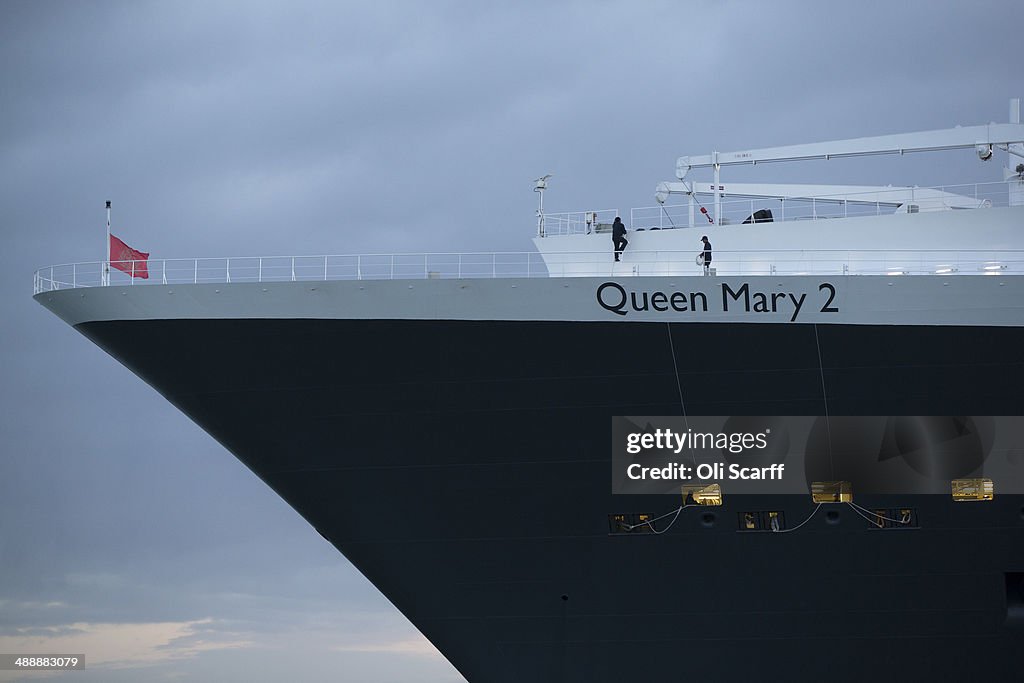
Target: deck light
831, 492
702, 495
973, 490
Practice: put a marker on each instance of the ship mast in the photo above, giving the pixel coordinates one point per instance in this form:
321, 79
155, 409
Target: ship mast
539, 185
1014, 171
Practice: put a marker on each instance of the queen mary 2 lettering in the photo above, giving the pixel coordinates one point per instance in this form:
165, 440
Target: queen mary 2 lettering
741, 298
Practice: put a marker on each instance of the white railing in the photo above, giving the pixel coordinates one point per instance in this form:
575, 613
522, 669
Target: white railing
736, 211
291, 268
579, 222
525, 265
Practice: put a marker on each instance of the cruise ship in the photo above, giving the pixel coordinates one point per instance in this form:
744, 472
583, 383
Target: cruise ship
446, 420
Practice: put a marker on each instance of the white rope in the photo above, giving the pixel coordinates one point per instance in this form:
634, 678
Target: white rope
679, 385
875, 516
871, 521
786, 531
650, 522
774, 523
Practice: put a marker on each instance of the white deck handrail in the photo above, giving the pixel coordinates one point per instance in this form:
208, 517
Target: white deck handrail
736, 208
488, 265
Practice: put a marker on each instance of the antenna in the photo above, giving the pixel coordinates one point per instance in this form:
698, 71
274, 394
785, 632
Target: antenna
539, 185
1014, 171
105, 270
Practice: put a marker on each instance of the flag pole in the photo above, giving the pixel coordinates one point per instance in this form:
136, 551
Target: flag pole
105, 273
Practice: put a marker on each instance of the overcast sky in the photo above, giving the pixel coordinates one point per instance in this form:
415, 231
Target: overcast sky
341, 127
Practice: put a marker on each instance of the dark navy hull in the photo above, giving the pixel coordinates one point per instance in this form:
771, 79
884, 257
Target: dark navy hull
464, 468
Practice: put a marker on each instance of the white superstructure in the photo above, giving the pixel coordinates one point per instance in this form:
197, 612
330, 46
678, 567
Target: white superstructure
772, 228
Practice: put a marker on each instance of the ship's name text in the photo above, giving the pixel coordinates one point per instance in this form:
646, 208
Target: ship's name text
735, 299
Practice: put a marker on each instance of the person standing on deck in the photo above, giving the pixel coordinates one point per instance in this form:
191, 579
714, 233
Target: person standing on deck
619, 237
706, 255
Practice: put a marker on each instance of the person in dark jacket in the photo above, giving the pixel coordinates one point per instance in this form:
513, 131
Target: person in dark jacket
706, 254
619, 237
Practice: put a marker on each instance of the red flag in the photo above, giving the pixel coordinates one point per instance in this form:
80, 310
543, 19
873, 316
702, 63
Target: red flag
128, 260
